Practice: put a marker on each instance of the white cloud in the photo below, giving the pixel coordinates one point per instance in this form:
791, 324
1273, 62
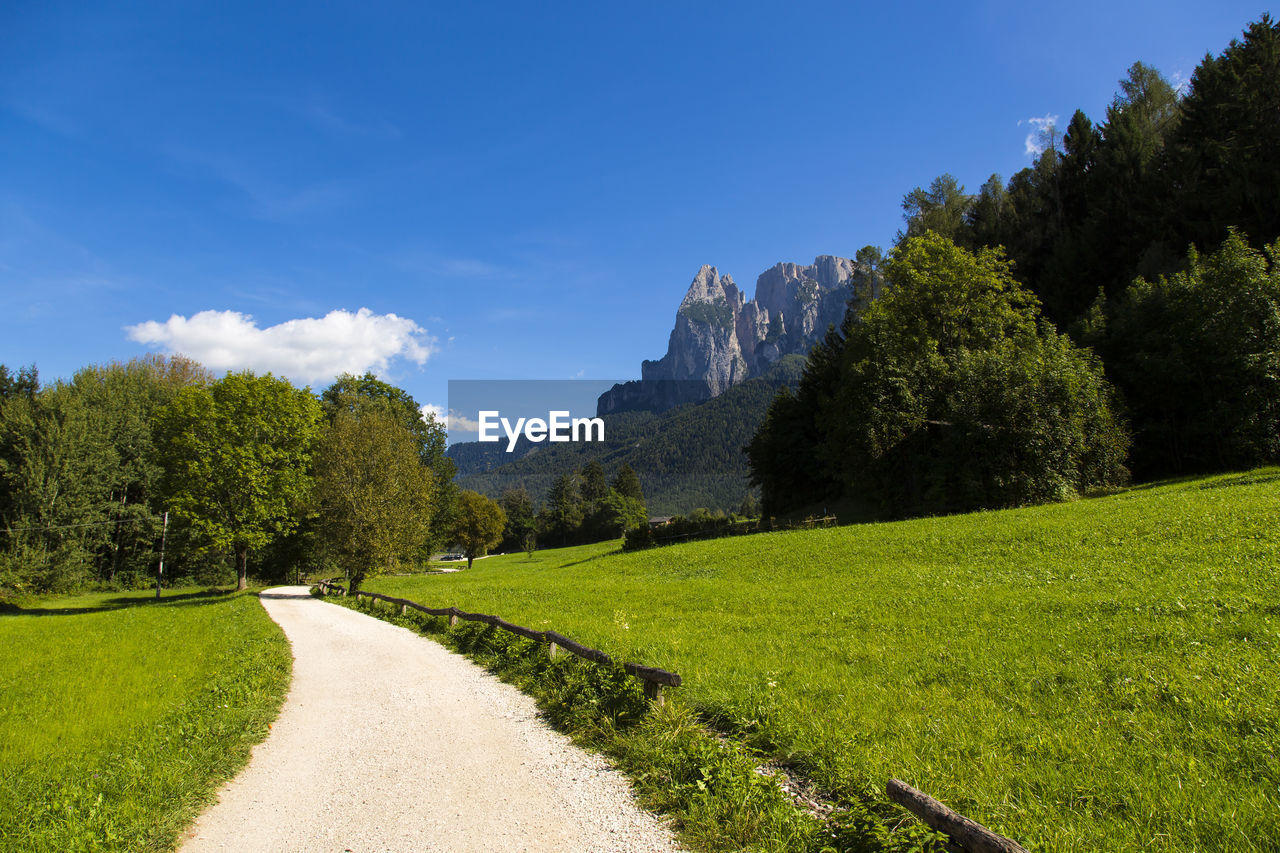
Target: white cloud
454, 421
459, 422
1036, 141
308, 350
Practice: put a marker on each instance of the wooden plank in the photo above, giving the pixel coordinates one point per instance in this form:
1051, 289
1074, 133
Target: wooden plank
519, 630
971, 835
471, 617
653, 674
578, 649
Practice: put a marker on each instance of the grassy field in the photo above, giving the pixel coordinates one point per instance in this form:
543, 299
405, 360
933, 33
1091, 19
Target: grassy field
119, 716
1098, 675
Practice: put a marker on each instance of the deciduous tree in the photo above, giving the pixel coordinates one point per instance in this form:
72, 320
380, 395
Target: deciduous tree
374, 494
237, 455
477, 524
367, 393
948, 394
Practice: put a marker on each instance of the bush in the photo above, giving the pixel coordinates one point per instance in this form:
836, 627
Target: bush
1197, 356
638, 538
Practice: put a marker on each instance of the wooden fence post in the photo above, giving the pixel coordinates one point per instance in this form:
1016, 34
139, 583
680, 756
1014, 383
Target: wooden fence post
971, 835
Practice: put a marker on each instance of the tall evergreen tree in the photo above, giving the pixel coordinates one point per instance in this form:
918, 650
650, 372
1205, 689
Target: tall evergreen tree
522, 517
564, 508
784, 453
627, 483
595, 487
1224, 155
1128, 194
941, 208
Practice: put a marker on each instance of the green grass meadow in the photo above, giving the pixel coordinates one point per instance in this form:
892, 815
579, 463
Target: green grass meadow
1095, 675
120, 715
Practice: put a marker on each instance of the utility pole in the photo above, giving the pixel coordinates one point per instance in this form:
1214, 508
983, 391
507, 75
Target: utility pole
160, 574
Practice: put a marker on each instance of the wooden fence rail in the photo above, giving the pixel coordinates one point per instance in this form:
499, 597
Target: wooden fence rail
654, 679
968, 834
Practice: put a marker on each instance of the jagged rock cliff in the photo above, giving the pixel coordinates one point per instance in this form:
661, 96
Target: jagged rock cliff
721, 338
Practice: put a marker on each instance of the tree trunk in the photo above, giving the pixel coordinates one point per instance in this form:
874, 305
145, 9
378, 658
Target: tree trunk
469, 559
242, 567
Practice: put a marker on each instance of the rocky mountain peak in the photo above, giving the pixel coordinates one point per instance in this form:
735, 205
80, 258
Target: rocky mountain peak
720, 338
709, 286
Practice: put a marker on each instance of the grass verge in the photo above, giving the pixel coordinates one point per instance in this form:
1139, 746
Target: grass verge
1095, 675
120, 715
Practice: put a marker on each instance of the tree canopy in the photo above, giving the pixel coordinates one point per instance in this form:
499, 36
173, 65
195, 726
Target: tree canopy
1197, 355
373, 492
477, 524
950, 394
237, 455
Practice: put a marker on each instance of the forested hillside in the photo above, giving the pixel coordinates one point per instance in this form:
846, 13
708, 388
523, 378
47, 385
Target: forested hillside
686, 458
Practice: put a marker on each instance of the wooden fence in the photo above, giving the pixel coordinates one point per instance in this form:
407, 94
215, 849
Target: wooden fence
654, 679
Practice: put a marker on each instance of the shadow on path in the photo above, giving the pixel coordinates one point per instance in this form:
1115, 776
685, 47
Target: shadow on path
276, 593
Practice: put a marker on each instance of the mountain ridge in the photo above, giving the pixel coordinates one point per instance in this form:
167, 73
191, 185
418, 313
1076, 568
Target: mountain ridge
721, 339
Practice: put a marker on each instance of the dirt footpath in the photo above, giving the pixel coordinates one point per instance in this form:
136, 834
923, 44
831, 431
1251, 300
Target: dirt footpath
389, 742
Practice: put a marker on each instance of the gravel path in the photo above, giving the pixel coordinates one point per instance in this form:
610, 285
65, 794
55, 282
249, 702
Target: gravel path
389, 742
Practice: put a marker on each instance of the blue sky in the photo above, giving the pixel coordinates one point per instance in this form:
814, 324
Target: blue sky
527, 188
